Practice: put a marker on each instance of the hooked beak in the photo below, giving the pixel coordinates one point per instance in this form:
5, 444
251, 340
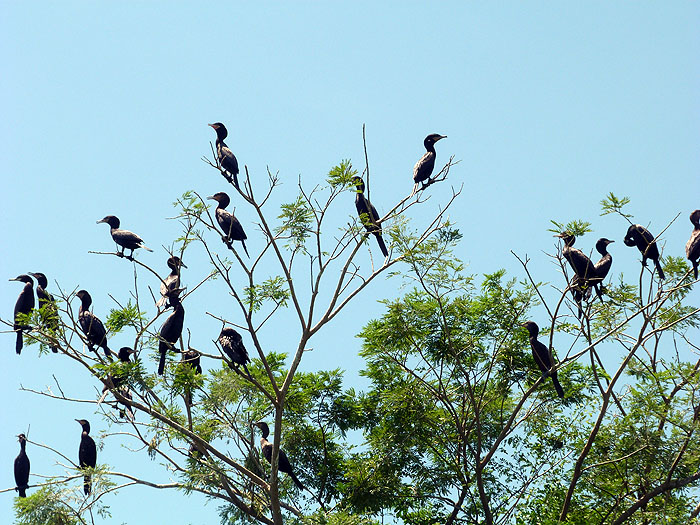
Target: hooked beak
98, 222
183, 265
211, 197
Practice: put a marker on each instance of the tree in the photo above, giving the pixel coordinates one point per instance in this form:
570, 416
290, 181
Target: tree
199, 424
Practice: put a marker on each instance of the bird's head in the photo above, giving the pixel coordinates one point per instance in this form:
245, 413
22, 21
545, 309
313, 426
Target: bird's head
175, 263
567, 237
359, 184
85, 424
124, 353
40, 279
222, 198
111, 220
531, 327
602, 245
432, 139
263, 428
23, 278
21, 438
695, 218
84, 297
221, 131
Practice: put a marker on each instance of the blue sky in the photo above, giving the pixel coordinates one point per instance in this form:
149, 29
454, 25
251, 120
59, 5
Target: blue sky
105, 106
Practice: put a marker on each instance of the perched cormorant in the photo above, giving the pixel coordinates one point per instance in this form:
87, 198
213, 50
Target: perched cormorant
191, 358
227, 159
583, 267
227, 221
581, 289
424, 167
639, 236
114, 382
87, 454
24, 305
48, 304
124, 238
232, 344
91, 325
368, 214
170, 332
283, 462
22, 467
543, 357
170, 287
692, 247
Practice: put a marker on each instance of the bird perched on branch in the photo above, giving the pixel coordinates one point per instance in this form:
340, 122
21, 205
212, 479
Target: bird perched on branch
170, 332
424, 167
233, 231
191, 358
115, 382
692, 247
170, 287
124, 238
580, 288
227, 160
283, 462
87, 454
91, 325
637, 235
22, 467
543, 356
368, 214
232, 345
24, 305
47, 305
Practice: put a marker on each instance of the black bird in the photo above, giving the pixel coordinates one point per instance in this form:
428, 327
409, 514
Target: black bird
232, 229
227, 159
580, 288
170, 332
124, 238
47, 304
692, 247
232, 344
543, 357
115, 382
170, 287
424, 167
283, 462
583, 267
24, 305
87, 454
191, 358
22, 468
639, 236
368, 214
91, 325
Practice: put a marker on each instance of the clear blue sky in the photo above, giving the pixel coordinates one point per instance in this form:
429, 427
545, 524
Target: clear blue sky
105, 106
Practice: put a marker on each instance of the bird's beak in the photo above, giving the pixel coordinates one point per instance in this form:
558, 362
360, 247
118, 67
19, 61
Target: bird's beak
442, 137
78, 420
14, 279
182, 264
211, 197
101, 220
560, 235
610, 242
211, 125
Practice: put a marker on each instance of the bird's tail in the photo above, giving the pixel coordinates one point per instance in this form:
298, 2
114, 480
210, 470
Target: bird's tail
235, 181
19, 343
659, 269
161, 364
382, 246
296, 481
22, 491
87, 485
246, 249
108, 352
557, 387
54, 349
695, 269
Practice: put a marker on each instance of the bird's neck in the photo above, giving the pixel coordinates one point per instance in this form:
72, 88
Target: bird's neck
22, 445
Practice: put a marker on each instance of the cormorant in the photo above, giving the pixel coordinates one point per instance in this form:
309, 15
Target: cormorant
170, 287
424, 167
227, 159
22, 468
48, 304
170, 332
232, 344
368, 214
283, 462
87, 454
692, 247
227, 221
91, 325
115, 382
24, 305
639, 236
543, 357
583, 267
191, 358
124, 238
580, 288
